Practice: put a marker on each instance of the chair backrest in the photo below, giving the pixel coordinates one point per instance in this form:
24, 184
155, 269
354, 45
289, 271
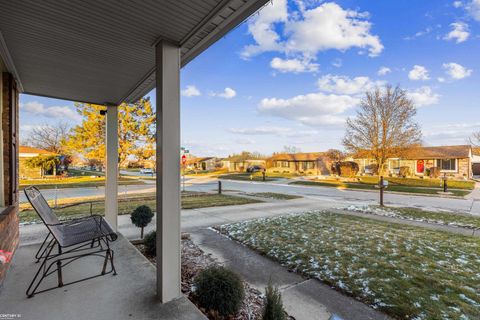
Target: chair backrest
40, 205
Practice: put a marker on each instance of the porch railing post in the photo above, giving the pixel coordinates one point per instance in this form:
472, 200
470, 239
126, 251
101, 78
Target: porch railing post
111, 173
168, 170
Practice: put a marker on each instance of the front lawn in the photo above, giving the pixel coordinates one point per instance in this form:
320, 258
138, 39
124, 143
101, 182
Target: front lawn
246, 177
372, 186
417, 182
76, 182
445, 218
190, 200
407, 272
273, 195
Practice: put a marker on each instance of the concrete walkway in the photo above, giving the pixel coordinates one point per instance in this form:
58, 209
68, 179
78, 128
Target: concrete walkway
304, 299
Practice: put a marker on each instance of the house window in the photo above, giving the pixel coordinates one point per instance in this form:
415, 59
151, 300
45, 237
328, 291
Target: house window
282, 164
309, 165
447, 164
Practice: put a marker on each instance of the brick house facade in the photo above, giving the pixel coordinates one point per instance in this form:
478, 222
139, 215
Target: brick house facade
453, 161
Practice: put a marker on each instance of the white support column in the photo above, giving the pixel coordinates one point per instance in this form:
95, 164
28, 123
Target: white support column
111, 174
168, 171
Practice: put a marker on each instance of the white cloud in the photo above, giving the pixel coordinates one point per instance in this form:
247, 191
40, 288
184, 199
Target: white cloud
473, 8
337, 63
418, 73
423, 96
245, 141
420, 33
459, 32
293, 65
261, 130
456, 71
311, 109
190, 91
346, 85
262, 27
59, 112
227, 93
327, 26
384, 71
457, 4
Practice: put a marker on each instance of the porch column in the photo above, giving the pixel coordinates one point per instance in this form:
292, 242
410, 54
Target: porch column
168, 170
111, 174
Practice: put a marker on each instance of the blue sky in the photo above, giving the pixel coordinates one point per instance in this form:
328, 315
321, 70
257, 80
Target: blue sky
294, 72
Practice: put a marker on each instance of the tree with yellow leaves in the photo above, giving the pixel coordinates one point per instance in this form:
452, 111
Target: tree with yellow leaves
136, 131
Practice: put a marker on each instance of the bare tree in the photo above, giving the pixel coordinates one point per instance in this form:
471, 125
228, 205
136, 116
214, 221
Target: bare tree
474, 140
291, 149
48, 137
334, 155
384, 125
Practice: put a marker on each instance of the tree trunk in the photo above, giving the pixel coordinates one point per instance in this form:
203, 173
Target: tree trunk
141, 233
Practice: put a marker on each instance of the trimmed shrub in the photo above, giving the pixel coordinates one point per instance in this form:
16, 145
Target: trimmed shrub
273, 308
435, 172
150, 243
404, 172
348, 168
372, 169
141, 217
219, 289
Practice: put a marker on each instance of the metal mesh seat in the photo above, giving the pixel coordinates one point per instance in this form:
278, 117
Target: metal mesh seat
74, 239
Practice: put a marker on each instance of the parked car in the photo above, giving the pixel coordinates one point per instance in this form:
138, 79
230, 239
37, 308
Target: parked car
146, 171
253, 169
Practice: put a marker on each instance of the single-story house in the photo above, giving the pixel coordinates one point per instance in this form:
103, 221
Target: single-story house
240, 164
26, 172
454, 161
206, 163
312, 163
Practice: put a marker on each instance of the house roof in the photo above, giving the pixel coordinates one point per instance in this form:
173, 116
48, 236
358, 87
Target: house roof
307, 156
439, 152
27, 149
418, 153
195, 160
103, 52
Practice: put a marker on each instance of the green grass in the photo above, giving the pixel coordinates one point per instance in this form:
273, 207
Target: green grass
368, 186
76, 182
273, 195
77, 172
416, 182
190, 200
407, 272
246, 177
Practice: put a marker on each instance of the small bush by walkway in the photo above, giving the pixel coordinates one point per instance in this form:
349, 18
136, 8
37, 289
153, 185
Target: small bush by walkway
407, 272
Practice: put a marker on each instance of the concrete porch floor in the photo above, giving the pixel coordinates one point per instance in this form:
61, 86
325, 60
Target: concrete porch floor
128, 295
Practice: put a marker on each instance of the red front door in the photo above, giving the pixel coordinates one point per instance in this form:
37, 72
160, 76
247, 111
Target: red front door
420, 166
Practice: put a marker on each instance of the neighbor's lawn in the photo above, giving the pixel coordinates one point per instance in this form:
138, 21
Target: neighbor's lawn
246, 177
371, 186
190, 200
407, 272
416, 182
446, 218
273, 195
76, 182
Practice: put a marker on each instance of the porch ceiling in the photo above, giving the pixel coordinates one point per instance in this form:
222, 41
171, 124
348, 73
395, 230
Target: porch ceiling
104, 51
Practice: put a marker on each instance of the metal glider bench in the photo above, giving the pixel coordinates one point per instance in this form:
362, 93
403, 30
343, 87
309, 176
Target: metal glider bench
73, 239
